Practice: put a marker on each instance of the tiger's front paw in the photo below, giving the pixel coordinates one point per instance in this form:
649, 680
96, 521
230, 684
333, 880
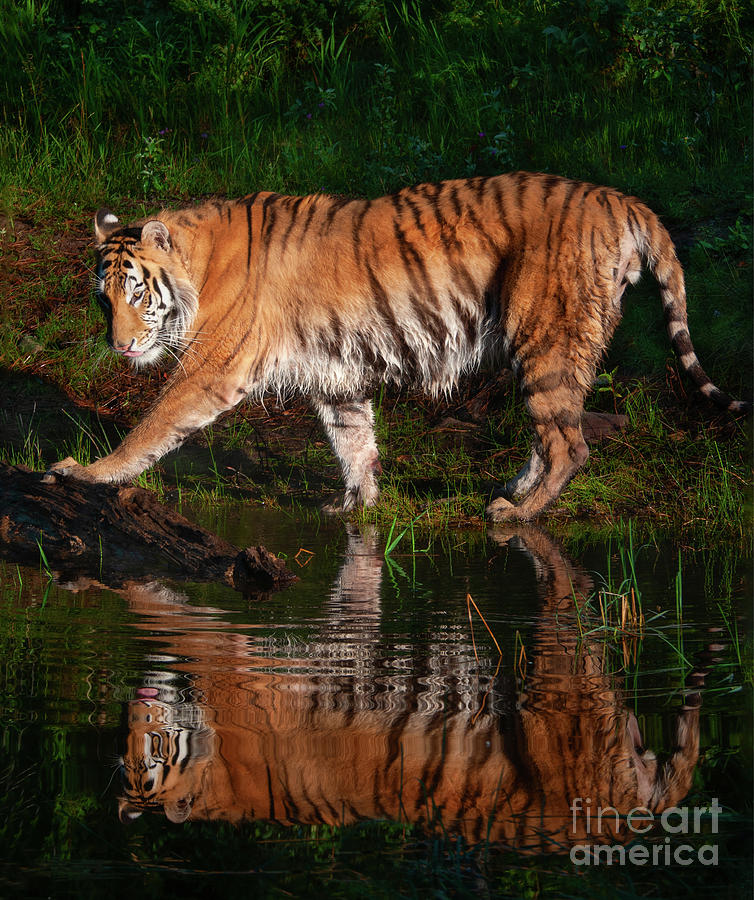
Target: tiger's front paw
67, 468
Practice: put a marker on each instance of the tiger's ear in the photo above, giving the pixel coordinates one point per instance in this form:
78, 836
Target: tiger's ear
155, 234
105, 224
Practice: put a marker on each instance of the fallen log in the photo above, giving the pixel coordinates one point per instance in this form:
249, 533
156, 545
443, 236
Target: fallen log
119, 534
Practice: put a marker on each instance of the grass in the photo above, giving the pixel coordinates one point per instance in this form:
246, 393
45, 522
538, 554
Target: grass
614, 614
100, 104
158, 104
409, 96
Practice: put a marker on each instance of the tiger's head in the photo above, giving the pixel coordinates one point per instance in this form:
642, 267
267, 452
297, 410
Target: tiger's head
144, 289
169, 748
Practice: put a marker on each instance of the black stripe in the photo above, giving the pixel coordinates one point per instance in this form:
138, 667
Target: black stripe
546, 384
582, 211
269, 215
298, 327
462, 278
294, 215
493, 294
421, 284
385, 311
248, 200
719, 398
336, 204
674, 314
248, 229
356, 235
566, 203
548, 243
610, 212
454, 199
474, 219
459, 273
465, 318
521, 185
416, 213
601, 198
633, 223
447, 236
129, 235
549, 183
682, 343
500, 204
309, 216
698, 375
269, 218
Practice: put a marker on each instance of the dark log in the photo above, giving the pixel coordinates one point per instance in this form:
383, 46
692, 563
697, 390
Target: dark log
119, 534
596, 426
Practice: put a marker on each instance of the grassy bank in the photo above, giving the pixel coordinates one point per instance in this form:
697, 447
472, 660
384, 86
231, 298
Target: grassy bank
161, 103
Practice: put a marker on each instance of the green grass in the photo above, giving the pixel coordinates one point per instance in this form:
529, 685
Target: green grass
201, 97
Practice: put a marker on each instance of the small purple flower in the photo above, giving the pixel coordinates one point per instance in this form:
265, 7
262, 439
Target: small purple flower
164, 131
623, 146
481, 134
308, 115
321, 104
204, 135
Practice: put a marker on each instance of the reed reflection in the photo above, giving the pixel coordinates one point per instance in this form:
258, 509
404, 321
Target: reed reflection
345, 728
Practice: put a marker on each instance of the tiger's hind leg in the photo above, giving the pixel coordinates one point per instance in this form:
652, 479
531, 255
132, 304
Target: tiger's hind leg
559, 451
349, 425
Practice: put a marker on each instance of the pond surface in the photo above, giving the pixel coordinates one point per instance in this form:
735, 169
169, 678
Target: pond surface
461, 688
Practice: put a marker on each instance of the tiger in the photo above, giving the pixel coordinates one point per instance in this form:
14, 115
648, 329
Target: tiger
338, 732
331, 297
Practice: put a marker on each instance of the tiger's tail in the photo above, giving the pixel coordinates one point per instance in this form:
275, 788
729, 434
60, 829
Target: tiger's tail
656, 248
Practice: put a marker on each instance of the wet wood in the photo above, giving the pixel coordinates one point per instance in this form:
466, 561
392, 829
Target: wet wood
119, 534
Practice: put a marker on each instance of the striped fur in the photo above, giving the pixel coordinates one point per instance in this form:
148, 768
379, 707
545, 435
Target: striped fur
331, 297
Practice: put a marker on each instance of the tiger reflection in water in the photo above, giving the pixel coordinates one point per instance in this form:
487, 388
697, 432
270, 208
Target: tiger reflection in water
438, 744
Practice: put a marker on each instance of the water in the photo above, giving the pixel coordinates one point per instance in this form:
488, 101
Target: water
456, 689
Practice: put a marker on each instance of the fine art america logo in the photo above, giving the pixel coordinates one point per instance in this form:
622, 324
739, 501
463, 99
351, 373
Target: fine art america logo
674, 821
